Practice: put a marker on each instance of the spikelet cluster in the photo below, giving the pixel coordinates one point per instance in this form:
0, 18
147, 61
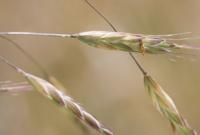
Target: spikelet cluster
127, 42
60, 98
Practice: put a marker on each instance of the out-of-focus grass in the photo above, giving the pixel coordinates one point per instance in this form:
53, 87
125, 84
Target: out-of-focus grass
110, 79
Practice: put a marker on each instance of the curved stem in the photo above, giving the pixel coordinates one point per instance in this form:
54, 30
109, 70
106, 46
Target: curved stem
114, 29
9, 63
46, 75
101, 15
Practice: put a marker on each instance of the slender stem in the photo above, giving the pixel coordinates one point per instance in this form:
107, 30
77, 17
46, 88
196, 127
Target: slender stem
28, 56
36, 34
9, 63
3, 34
114, 29
101, 15
138, 64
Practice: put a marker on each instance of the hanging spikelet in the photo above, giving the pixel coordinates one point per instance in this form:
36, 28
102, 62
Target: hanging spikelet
166, 106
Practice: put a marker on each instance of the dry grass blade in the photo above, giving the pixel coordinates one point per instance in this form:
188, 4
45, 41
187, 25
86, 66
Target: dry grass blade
51, 92
166, 106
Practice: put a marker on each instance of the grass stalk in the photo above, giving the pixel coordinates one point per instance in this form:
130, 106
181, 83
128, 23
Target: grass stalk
51, 92
18, 87
162, 101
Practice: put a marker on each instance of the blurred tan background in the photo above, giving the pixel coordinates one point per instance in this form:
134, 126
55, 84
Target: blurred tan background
107, 83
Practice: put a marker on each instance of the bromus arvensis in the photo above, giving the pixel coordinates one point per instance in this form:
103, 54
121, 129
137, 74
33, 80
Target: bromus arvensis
60, 98
21, 87
134, 43
122, 41
160, 98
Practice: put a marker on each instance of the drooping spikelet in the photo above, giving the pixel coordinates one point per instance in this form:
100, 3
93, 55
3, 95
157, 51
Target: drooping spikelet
60, 98
166, 106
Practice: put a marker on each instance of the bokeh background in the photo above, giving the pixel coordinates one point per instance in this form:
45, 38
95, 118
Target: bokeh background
107, 83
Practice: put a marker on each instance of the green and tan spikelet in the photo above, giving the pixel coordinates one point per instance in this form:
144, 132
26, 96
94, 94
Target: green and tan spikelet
166, 106
60, 98
127, 42
140, 43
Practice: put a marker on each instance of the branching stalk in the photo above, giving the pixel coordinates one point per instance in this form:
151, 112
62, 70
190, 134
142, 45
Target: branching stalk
160, 98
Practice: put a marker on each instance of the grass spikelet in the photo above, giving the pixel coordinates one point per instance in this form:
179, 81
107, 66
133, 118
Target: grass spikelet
122, 41
128, 42
52, 93
166, 106
20, 88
